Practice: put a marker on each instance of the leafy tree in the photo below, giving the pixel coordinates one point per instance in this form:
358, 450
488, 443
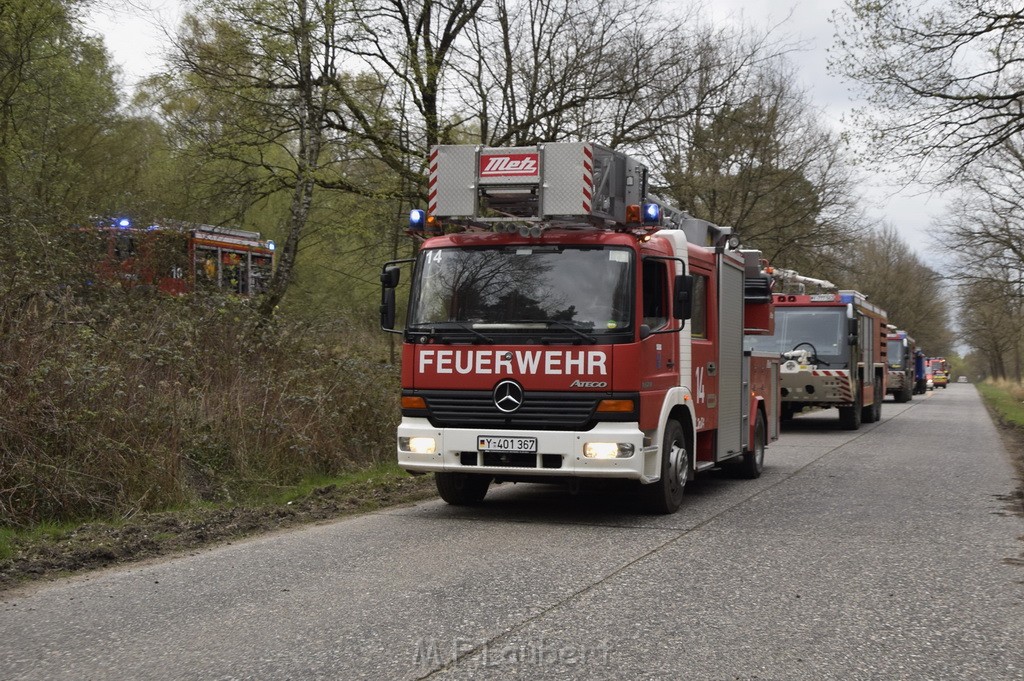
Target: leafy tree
260, 93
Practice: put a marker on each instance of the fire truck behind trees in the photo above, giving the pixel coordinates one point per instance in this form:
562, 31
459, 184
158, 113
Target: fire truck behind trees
564, 327
178, 257
900, 358
833, 345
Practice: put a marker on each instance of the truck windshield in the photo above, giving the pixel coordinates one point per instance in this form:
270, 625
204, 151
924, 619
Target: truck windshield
578, 291
894, 354
821, 327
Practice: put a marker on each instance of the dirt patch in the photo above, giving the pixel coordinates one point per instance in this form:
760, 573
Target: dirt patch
97, 545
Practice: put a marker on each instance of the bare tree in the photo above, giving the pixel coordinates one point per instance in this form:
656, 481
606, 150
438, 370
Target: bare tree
753, 156
943, 80
885, 268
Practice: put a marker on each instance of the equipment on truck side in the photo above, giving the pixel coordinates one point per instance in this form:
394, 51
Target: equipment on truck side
562, 326
900, 360
920, 373
833, 348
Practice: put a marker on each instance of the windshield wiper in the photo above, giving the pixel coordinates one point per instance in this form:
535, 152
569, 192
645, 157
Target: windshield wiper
558, 322
572, 327
435, 328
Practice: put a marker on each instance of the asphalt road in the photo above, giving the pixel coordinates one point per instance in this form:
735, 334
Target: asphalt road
885, 553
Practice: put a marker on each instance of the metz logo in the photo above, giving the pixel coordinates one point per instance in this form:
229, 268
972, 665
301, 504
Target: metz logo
518, 165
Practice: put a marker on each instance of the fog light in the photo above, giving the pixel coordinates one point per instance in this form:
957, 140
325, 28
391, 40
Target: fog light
417, 445
607, 450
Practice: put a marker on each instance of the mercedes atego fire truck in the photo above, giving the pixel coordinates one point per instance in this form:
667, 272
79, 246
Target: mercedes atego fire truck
564, 326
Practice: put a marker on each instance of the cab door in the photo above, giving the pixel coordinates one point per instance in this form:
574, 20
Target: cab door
703, 331
659, 352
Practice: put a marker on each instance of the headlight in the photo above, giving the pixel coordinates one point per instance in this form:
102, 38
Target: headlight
608, 450
417, 445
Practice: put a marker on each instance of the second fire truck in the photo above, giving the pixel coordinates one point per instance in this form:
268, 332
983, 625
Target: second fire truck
563, 327
833, 348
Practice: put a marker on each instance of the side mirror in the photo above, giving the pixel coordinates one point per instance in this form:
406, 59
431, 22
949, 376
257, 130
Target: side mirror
390, 277
682, 298
852, 327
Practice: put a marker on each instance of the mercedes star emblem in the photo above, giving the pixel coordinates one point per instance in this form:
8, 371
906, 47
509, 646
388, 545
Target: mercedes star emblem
508, 396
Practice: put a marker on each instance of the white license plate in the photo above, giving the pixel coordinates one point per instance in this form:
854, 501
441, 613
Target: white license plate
496, 443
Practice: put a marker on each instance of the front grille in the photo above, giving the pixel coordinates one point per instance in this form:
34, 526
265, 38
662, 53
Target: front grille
510, 459
539, 411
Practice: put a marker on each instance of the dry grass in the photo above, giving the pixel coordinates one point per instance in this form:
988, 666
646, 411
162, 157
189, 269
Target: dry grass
115, 402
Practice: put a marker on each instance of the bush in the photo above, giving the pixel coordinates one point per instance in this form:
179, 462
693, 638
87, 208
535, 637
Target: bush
116, 401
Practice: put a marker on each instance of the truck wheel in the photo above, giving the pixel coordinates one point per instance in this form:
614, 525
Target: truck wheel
462, 489
787, 412
666, 495
906, 393
752, 462
849, 417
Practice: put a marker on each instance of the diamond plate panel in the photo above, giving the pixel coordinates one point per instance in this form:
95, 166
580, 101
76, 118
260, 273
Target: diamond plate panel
452, 188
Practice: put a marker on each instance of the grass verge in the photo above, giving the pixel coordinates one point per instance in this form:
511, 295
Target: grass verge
51, 550
1005, 402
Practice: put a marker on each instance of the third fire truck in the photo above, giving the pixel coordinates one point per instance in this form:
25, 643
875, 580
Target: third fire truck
564, 327
833, 348
900, 358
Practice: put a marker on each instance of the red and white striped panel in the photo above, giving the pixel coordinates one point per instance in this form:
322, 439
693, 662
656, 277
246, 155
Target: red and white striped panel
845, 389
588, 177
432, 183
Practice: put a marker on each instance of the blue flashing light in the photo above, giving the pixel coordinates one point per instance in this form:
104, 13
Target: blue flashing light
417, 219
652, 213
846, 298
271, 245
124, 223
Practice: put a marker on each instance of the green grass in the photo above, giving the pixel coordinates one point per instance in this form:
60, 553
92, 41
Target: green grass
10, 537
374, 474
1006, 399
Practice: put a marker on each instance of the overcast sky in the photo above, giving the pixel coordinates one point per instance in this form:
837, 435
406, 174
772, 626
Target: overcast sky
134, 32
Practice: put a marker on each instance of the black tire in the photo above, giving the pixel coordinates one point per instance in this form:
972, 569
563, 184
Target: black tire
849, 417
752, 462
666, 495
906, 393
787, 412
462, 489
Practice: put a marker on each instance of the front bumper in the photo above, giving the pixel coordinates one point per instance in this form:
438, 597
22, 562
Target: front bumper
559, 453
816, 387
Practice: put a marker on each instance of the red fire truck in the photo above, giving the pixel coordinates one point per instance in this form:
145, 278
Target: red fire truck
938, 367
900, 359
833, 346
177, 257
563, 327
